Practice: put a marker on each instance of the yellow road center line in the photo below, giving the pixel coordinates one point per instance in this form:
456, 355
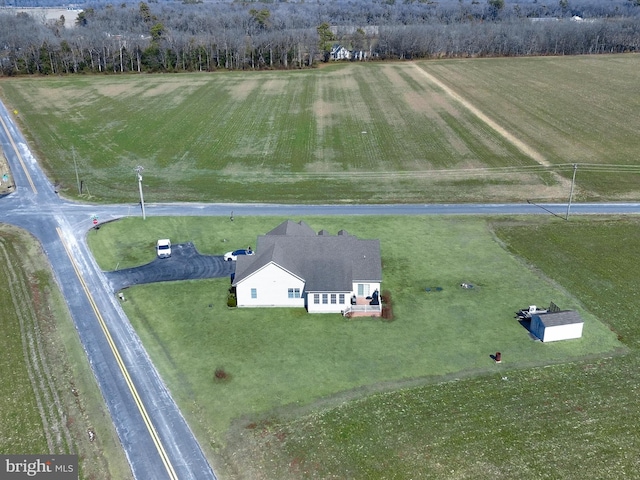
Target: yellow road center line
15, 149
143, 411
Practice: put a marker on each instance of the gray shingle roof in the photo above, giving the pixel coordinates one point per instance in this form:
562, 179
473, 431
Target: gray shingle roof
292, 228
327, 263
565, 317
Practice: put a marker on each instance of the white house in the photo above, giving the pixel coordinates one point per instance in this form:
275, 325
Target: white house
338, 52
554, 326
295, 267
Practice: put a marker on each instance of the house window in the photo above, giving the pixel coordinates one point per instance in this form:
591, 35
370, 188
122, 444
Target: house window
325, 298
254, 293
341, 299
333, 299
316, 298
363, 289
294, 293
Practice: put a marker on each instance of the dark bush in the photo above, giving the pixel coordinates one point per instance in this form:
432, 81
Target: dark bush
221, 375
232, 301
387, 307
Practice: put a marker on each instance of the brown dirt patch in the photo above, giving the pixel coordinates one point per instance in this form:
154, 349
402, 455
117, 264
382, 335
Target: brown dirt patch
323, 112
174, 89
428, 102
243, 89
59, 99
117, 90
273, 86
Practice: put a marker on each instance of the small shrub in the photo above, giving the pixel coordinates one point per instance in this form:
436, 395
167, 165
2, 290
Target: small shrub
221, 375
232, 301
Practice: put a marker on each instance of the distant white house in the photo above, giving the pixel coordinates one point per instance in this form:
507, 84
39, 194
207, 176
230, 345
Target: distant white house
295, 267
554, 326
338, 52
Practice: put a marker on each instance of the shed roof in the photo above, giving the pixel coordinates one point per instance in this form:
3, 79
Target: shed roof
564, 317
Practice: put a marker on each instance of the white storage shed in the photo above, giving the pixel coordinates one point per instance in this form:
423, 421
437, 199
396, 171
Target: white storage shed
554, 326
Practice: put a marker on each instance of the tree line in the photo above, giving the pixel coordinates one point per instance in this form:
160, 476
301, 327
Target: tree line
194, 36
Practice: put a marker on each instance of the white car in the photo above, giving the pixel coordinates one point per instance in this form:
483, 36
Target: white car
163, 248
233, 256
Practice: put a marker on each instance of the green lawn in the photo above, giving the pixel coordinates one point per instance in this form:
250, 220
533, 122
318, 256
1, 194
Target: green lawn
366, 132
574, 420
287, 360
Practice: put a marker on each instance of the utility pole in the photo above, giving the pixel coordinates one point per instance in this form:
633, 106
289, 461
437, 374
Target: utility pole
573, 181
139, 170
75, 165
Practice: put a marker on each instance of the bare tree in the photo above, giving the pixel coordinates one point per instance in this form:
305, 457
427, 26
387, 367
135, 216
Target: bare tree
167, 36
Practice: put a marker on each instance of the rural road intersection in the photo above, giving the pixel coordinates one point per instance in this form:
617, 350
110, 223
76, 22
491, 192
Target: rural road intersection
156, 438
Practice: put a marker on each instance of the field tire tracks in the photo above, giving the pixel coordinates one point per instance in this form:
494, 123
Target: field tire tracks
50, 407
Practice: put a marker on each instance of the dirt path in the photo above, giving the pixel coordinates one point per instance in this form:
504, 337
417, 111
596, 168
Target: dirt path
519, 144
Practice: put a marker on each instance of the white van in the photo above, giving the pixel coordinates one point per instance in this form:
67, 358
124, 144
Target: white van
163, 248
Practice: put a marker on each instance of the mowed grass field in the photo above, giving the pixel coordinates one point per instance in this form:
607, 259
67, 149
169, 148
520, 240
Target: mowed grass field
572, 421
284, 364
49, 400
437, 131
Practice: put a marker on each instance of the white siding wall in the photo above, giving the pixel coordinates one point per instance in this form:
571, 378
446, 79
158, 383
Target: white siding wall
328, 307
271, 285
563, 332
341, 54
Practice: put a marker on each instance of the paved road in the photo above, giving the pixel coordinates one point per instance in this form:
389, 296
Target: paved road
157, 441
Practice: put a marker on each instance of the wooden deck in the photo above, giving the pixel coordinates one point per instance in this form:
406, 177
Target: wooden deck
363, 309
